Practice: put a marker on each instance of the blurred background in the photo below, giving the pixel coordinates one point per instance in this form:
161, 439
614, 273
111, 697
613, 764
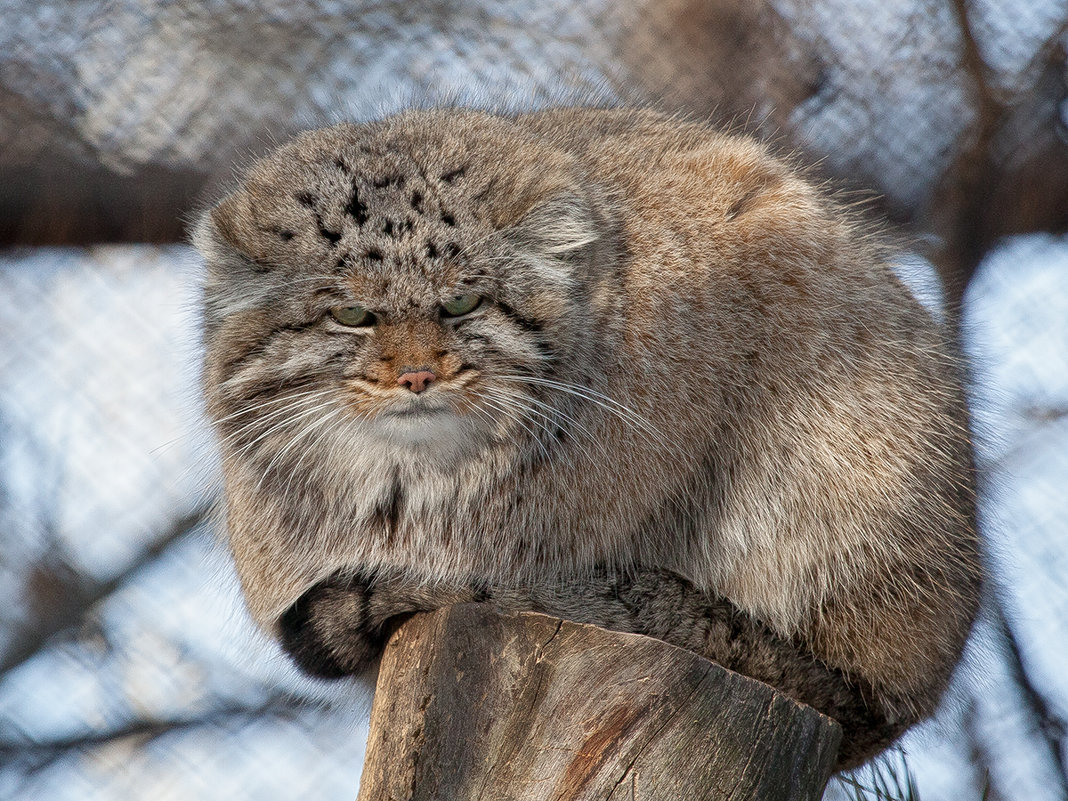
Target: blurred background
128, 668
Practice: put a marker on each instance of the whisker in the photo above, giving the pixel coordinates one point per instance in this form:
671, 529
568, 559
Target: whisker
514, 403
624, 413
289, 446
518, 420
245, 449
261, 422
334, 413
485, 416
253, 424
271, 401
607, 403
553, 420
567, 418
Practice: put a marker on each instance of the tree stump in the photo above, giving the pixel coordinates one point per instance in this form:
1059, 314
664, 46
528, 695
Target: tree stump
472, 704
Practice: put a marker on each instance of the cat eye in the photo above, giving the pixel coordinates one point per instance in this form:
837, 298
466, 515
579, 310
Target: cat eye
352, 315
464, 304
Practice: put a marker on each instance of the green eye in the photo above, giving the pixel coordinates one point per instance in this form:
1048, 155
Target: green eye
352, 315
461, 305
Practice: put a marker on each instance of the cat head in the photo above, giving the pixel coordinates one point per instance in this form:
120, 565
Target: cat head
404, 284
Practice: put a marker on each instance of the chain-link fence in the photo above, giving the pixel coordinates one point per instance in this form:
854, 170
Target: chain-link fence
127, 666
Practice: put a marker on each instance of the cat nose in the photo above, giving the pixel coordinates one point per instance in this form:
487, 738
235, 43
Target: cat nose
416, 380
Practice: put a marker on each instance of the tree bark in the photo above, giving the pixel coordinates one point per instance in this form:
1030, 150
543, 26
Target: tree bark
472, 704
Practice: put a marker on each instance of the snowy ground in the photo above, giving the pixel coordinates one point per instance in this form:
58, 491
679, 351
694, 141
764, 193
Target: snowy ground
164, 690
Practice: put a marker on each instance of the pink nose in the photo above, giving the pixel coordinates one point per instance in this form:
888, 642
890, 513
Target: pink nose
417, 380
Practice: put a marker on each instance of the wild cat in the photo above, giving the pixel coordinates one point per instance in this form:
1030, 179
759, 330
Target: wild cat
603, 364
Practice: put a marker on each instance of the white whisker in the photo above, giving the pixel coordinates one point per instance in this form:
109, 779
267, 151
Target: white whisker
245, 449
514, 403
259, 421
518, 420
624, 413
610, 405
307, 430
333, 413
484, 414
270, 402
555, 421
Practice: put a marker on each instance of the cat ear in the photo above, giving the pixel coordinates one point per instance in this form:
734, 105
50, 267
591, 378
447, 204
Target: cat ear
232, 218
554, 236
227, 236
560, 226
228, 283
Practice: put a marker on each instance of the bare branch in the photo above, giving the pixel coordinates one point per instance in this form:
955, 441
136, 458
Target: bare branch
980, 760
1011, 173
1030, 719
965, 190
70, 596
38, 755
1051, 725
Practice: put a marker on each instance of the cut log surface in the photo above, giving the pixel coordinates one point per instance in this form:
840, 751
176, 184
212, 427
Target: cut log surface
472, 704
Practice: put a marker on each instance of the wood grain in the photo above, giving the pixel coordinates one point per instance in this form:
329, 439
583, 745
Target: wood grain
472, 704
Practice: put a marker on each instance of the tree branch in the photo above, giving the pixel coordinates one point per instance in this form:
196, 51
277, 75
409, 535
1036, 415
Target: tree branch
37, 755
1010, 174
70, 596
1051, 726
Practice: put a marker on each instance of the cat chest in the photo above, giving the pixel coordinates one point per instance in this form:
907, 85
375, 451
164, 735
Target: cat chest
507, 526
422, 515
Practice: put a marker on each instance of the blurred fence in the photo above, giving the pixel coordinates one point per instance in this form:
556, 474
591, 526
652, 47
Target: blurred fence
127, 668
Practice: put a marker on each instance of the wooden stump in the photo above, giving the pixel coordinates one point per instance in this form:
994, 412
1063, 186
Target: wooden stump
472, 704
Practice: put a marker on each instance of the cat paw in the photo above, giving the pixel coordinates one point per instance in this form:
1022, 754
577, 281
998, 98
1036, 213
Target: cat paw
339, 626
330, 632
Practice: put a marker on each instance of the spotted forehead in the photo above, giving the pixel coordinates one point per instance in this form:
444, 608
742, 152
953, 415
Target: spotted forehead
399, 223
409, 197
381, 213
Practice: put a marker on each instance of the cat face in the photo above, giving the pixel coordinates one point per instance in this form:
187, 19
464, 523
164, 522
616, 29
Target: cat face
379, 288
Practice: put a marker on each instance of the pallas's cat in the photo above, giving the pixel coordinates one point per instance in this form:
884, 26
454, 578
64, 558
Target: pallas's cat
603, 364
